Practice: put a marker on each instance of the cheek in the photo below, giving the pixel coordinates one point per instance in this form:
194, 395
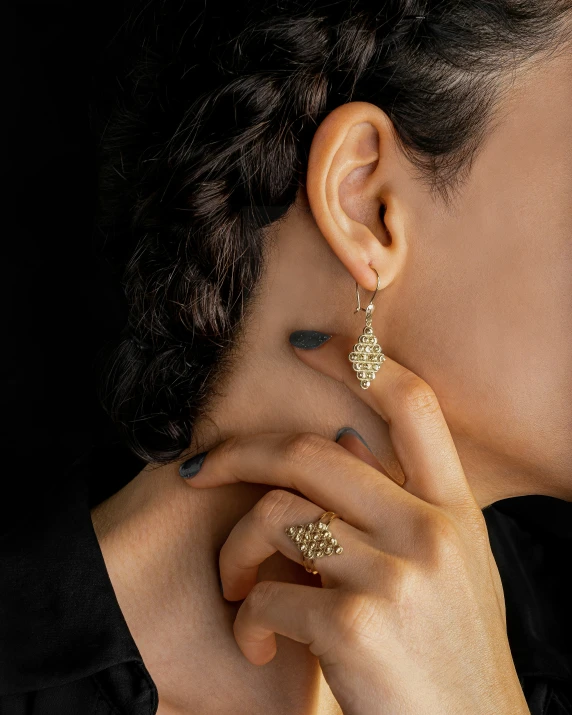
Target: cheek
485, 317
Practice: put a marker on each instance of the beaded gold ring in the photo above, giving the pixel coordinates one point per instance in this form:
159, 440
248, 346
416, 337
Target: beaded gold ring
315, 540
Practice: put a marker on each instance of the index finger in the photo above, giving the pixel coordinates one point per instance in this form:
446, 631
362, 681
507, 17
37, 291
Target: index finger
325, 472
419, 433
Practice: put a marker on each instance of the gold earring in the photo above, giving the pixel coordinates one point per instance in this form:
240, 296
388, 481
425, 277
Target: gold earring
367, 355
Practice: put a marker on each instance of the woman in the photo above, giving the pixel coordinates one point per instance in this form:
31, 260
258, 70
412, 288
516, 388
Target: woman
264, 169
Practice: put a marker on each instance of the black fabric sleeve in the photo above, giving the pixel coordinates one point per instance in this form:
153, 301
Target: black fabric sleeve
531, 540
546, 696
64, 644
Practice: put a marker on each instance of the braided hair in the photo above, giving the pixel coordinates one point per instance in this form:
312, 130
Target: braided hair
206, 127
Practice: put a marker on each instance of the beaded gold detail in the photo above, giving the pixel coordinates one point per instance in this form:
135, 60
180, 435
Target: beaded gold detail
315, 540
367, 355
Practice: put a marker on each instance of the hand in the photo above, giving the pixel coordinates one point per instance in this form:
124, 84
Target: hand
410, 617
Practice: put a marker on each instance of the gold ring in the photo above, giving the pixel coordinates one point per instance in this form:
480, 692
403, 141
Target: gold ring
315, 540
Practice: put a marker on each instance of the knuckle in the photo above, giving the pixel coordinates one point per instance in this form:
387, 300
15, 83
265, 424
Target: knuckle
272, 507
433, 538
417, 396
303, 446
260, 595
355, 617
443, 540
445, 529
394, 575
227, 449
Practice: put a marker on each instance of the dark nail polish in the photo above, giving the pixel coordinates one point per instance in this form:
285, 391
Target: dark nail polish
351, 430
308, 339
191, 467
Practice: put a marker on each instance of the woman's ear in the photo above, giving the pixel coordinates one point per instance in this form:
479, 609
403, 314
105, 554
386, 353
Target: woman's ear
351, 187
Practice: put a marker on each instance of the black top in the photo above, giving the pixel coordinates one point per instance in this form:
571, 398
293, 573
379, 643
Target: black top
65, 646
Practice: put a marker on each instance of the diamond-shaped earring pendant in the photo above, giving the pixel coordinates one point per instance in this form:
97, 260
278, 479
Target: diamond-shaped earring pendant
367, 355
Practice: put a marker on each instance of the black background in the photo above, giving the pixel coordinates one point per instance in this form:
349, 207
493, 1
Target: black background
61, 302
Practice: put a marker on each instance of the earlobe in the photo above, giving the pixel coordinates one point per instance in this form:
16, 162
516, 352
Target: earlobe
348, 174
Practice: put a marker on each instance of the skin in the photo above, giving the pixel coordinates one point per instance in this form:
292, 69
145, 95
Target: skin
412, 620
476, 301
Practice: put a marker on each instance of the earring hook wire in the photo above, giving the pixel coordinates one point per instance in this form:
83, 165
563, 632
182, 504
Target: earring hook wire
372, 297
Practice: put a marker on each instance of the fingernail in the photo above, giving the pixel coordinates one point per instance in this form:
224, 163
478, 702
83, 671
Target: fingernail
308, 339
191, 467
351, 430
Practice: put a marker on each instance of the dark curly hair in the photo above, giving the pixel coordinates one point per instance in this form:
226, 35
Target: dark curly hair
206, 127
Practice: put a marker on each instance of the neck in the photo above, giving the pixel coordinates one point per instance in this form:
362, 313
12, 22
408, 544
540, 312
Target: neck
305, 286
274, 396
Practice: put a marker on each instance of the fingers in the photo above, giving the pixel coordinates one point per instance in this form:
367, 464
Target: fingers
262, 532
302, 613
419, 433
350, 442
326, 473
